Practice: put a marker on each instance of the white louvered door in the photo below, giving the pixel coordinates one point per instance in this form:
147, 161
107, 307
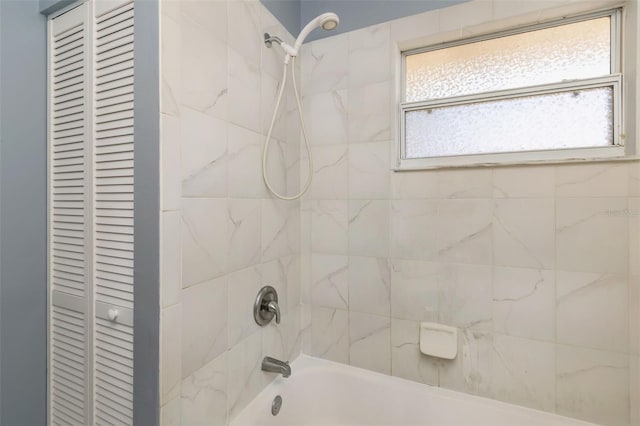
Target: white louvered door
91, 214
70, 263
114, 214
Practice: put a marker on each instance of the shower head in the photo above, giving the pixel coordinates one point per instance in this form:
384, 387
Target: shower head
330, 22
327, 21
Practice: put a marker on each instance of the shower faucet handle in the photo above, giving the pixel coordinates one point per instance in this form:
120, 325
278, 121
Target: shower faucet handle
265, 307
273, 307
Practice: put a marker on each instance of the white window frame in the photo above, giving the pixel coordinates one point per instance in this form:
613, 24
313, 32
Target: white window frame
614, 80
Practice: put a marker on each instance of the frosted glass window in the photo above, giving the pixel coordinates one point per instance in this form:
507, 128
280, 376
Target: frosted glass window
573, 51
571, 119
547, 91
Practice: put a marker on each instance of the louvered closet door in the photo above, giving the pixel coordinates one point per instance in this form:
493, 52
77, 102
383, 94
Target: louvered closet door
114, 213
91, 214
70, 262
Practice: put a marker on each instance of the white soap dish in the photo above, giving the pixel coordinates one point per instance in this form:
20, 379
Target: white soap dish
438, 340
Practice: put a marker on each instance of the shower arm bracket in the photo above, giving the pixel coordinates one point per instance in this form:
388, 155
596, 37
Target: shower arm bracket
290, 51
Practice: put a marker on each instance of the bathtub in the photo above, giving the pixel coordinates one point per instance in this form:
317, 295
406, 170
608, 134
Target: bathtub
326, 393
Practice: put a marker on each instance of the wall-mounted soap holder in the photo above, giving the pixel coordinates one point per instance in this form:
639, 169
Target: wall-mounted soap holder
438, 340
266, 306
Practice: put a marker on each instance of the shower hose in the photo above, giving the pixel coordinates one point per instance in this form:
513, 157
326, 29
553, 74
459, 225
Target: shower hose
304, 134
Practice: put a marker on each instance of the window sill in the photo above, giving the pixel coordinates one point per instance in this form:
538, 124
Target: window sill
584, 155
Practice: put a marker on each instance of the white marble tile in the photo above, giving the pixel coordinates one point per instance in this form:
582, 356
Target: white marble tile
211, 15
405, 31
592, 310
330, 281
170, 8
244, 91
330, 171
414, 290
634, 314
524, 303
369, 285
243, 288
465, 183
294, 227
204, 71
369, 113
365, 216
245, 33
524, 233
634, 179
171, 355
294, 164
279, 228
204, 239
283, 274
330, 334
471, 370
465, 296
171, 70
327, 117
369, 55
523, 372
413, 229
204, 395
520, 12
524, 182
204, 324
634, 389
592, 180
593, 385
245, 159
634, 235
270, 88
170, 413
245, 233
329, 226
370, 342
463, 232
171, 173
325, 63
170, 246
414, 185
293, 270
458, 17
306, 280
203, 154
406, 359
305, 329
592, 235
271, 60
369, 170
246, 379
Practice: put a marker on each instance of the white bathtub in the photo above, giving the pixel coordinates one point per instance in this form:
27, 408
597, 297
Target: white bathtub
325, 393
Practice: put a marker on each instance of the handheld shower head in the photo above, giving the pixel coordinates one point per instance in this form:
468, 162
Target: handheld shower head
327, 21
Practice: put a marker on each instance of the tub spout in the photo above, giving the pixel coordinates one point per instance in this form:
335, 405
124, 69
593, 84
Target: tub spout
273, 365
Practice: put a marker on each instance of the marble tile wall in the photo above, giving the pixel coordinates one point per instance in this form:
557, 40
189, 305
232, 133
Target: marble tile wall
537, 265
222, 235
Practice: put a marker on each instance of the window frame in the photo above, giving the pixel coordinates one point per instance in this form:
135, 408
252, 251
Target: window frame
613, 80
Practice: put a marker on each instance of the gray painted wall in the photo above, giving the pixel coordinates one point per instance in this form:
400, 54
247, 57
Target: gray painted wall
146, 216
287, 12
47, 7
354, 14
23, 284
